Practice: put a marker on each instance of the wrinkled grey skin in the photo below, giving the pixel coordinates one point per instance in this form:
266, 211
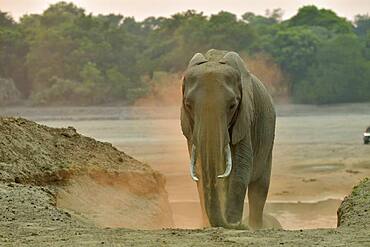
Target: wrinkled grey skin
223, 103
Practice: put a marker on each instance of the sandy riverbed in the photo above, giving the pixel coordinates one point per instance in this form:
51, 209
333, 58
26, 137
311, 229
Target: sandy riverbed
318, 155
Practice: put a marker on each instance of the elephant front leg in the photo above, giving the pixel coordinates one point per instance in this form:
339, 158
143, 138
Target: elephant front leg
257, 194
235, 202
238, 182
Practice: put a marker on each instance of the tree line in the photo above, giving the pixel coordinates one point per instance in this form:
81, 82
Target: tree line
67, 56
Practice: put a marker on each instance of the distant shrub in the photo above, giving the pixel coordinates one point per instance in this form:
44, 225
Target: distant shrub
67, 92
9, 94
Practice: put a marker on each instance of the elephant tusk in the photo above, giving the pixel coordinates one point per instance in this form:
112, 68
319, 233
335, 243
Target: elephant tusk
229, 163
192, 163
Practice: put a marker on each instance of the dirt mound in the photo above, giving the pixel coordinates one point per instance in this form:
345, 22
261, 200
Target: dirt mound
91, 179
33, 153
355, 208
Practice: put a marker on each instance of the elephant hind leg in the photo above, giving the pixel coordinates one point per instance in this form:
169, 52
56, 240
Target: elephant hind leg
257, 194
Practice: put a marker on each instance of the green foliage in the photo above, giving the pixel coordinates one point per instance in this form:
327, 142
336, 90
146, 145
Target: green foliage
6, 20
362, 23
340, 74
120, 85
272, 17
294, 49
67, 92
326, 61
13, 50
312, 16
65, 56
228, 33
176, 39
91, 75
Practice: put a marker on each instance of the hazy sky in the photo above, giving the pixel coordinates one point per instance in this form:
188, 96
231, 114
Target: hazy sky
144, 8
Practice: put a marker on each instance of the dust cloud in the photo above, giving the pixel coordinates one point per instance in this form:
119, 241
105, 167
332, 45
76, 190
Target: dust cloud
128, 200
165, 90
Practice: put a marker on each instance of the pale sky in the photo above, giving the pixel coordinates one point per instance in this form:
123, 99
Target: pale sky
141, 9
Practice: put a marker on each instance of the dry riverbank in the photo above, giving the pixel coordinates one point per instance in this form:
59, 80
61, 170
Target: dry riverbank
57, 189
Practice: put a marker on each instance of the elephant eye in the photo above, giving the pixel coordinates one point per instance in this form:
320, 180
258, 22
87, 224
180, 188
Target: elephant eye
232, 106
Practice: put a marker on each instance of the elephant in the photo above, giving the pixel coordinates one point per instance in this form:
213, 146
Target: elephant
228, 119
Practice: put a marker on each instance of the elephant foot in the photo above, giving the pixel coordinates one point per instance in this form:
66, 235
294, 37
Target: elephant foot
238, 226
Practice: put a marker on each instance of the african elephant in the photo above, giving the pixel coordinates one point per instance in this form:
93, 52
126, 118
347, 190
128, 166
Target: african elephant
228, 119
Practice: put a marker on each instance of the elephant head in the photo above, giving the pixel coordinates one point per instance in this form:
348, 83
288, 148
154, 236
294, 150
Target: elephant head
216, 116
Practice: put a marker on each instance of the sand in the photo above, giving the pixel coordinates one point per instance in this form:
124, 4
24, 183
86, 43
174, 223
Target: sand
318, 156
33, 213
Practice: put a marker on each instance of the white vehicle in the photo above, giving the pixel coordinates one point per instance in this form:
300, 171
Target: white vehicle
367, 135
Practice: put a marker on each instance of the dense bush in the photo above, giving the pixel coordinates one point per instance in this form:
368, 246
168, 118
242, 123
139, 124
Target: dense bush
65, 56
67, 92
340, 73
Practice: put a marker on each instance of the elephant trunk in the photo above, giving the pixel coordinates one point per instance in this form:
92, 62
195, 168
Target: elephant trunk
222, 198
210, 147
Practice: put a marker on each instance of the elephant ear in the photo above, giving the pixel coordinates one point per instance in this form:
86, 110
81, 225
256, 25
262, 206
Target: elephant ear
245, 112
197, 59
186, 122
